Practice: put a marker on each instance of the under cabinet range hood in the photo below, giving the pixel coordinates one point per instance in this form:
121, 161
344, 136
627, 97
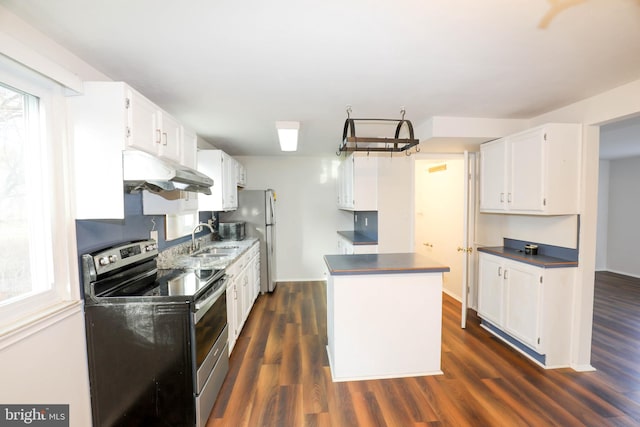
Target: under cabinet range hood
144, 171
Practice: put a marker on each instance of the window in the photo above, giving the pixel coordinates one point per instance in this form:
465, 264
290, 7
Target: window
37, 263
22, 272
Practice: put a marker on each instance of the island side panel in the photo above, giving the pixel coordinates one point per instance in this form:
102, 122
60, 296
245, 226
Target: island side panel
384, 325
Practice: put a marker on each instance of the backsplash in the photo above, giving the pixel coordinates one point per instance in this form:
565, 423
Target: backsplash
92, 235
568, 254
366, 223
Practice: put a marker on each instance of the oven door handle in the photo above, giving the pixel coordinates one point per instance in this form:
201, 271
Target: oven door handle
203, 306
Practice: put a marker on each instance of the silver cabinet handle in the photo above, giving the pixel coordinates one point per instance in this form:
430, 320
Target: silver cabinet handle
499, 271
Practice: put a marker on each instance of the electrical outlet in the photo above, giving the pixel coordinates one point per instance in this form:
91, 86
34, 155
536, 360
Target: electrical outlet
153, 234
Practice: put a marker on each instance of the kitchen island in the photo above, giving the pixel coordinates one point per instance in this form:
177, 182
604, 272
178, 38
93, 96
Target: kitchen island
384, 315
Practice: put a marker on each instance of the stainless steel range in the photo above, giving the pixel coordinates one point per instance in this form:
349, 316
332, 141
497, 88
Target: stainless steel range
156, 339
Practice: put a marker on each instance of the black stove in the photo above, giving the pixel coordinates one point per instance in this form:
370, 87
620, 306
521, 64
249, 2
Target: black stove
156, 338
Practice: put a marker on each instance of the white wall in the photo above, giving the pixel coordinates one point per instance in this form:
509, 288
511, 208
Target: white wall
46, 363
49, 367
624, 204
395, 203
306, 209
614, 104
603, 216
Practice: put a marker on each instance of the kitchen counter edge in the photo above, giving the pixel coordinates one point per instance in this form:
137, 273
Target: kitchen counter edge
392, 263
542, 261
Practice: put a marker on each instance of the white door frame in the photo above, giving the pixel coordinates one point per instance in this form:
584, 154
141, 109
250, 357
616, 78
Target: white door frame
468, 263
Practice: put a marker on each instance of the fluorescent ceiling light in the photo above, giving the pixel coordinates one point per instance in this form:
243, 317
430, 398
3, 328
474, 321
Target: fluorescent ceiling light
288, 135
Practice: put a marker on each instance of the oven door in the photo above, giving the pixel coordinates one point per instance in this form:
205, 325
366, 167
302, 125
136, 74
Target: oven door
210, 319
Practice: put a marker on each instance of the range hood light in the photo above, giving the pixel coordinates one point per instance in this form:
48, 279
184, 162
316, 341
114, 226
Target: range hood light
288, 135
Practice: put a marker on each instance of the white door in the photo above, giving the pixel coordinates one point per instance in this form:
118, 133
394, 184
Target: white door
439, 217
468, 227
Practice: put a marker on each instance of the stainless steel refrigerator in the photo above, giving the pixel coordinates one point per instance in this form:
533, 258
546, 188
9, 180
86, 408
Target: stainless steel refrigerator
258, 209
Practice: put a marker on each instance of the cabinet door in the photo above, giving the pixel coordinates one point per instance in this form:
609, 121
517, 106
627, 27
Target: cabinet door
342, 185
171, 137
189, 149
239, 309
143, 133
364, 184
365, 249
491, 286
247, 293
241, 174
169, 203
526, 171
347, 184
493, 157
229, 187
231, 314
523, 293
256, 276
210, 164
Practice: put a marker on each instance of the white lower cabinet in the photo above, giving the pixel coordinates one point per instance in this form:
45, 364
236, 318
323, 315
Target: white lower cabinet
254, 265
346, 247
241, 292
491, 289
528, 307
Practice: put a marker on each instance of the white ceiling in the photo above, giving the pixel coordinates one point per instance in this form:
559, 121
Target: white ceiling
231, 69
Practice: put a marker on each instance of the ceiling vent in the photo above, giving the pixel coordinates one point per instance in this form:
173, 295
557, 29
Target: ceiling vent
402, 140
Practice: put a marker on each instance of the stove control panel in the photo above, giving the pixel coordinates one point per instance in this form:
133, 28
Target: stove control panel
119, 256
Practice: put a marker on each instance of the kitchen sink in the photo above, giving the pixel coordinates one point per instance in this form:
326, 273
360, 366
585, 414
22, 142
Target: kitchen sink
215, 252
208, 255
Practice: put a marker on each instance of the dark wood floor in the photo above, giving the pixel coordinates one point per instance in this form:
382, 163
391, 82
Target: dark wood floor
279, 374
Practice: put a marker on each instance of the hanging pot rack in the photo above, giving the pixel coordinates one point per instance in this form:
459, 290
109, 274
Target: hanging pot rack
351, 142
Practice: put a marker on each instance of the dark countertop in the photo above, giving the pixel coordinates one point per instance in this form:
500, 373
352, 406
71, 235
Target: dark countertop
358, 238
382, 264
537, 260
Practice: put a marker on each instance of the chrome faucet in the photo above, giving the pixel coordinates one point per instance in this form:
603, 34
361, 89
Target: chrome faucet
193, 234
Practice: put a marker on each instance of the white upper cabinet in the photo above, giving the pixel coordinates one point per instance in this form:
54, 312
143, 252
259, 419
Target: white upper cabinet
106, 119
358, 183
169, 203
151, 129
142, 121
189, 152
533, 172
493, 181
220, 167
242, 174
170, 133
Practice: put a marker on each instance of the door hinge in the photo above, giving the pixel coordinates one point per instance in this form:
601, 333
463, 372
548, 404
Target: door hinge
127, 103
128, 132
